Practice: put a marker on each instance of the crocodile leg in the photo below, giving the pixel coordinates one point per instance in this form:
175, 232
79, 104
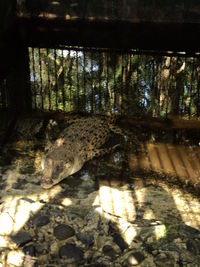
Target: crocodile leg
126, 134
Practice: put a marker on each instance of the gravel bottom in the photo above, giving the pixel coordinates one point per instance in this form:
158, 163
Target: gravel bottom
101, 216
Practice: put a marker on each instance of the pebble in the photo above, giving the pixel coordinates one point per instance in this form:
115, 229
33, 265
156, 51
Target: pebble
15, 258
135, 258
54, 248
95, 246
18, 185
40, 248
193, 246
63, 231
21, 238
162, 260
86, 238
109, 251
120, 241
41, 220
43, 258
71, 252
29, 250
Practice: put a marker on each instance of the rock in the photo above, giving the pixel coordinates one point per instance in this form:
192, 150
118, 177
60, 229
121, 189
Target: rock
97, 265
43, 259
163, 260
120, 241
29, 261
27, 170
150, 240
41, 248
21, 238
135, 258
41, 220
29, 250
19, 185
185, 230
54, 248
63, 231
6, 224
86, 238
193, 246
109, 251
15, 258
71, 253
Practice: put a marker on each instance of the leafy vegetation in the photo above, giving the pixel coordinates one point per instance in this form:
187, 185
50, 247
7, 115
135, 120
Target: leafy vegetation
99, 81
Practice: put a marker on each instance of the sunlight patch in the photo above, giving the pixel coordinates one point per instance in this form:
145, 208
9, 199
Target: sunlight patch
15, 258
130, 234
160, 231
117, 202
188, 207
16, 210
149, 215
66, 202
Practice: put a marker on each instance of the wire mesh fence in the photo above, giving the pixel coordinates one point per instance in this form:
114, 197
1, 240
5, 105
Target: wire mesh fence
105, 81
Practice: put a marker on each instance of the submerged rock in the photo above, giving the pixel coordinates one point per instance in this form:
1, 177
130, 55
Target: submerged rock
120, 241
71, 253
193, 246
135, 258
30, 250
63, 231
21, 238
109, 251
41, 220
86, 238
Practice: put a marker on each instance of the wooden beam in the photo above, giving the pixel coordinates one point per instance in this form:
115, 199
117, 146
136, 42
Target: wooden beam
148, 122
111, 34
148, 25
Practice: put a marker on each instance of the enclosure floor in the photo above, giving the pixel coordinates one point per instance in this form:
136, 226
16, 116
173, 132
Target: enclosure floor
104, 215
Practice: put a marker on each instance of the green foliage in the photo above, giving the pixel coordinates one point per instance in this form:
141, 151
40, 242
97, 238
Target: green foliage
107, 82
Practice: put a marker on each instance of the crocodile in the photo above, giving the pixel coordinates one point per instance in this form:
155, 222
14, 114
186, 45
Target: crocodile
77, 144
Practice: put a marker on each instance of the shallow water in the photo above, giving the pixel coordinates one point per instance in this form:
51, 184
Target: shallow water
138, 206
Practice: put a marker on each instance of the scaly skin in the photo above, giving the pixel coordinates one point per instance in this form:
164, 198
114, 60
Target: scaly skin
77, 144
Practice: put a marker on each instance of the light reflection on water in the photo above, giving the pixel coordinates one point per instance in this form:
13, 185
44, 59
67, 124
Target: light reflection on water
85, 176
117, 157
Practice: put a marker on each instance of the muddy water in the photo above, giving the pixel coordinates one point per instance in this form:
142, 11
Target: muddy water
136, 207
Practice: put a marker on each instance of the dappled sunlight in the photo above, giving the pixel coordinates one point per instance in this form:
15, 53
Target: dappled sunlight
140, 195
66, 202
117, 202
5, 242
15, 258
122, 205
188, 207
174, 200
170, 160
149, 215
160, 231
118, 206
10, 177
17, 208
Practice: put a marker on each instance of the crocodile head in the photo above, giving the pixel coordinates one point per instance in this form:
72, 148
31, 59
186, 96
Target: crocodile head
55, 170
